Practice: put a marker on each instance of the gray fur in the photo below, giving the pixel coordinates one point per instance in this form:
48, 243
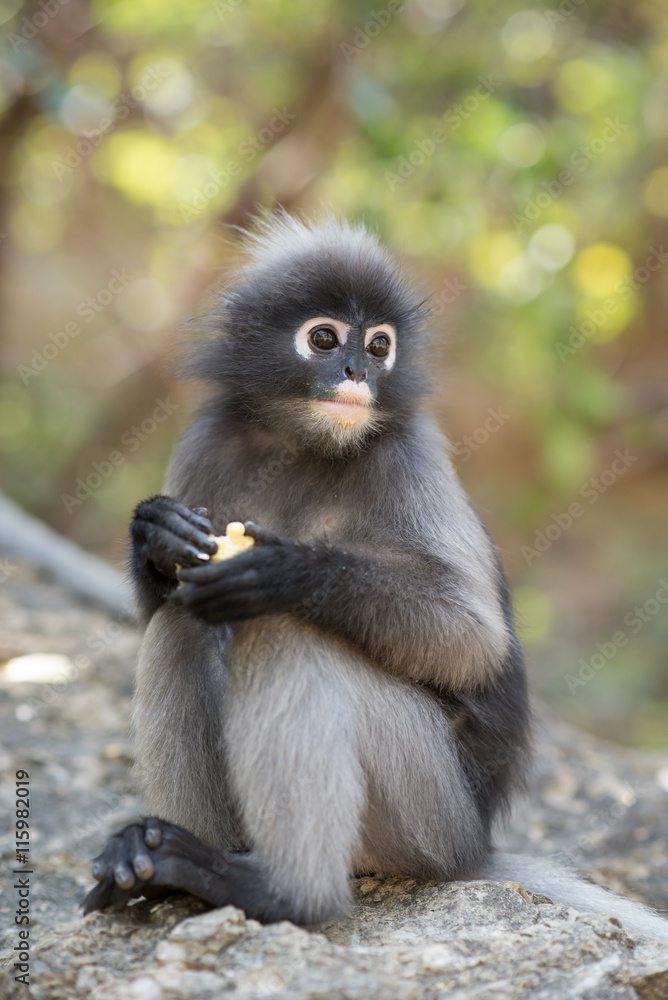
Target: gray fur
358, 732
339, 768
349, 695
182, 676
403, 496
561, 885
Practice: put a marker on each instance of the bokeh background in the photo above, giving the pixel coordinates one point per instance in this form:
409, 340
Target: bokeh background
514, 153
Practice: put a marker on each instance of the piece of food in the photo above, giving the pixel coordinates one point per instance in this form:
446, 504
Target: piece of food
234, 541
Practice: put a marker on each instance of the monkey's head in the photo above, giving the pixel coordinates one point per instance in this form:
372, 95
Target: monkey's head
320, 334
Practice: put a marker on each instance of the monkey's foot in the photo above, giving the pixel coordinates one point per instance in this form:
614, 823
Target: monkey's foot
154, 858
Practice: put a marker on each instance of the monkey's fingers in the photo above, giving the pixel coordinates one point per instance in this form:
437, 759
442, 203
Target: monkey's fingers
173, 524
219, 574
166, 549
140, 855
238, 604
153, 832
109, 894
126, 866
225, 575
216, 608
247, 582
261, 535
233, 611
105, 894
170, 515
158, 506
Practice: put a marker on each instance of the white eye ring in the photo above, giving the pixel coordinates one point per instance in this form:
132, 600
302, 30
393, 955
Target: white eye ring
302, 342
391, 334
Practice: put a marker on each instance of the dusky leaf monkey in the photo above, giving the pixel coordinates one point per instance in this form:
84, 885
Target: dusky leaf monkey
347, 696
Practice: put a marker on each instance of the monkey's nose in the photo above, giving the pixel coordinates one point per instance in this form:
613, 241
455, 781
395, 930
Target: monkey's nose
356, 376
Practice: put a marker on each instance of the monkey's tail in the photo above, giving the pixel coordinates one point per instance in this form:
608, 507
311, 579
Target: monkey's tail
562, 885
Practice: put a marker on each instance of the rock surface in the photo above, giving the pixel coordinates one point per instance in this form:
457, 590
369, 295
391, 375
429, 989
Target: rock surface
404, 941
604, 808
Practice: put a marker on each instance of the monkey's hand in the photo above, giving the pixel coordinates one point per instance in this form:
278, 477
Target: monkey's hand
276, 575
166, 534
154, 858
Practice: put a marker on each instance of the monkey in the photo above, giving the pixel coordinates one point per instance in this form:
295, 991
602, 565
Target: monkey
348, 696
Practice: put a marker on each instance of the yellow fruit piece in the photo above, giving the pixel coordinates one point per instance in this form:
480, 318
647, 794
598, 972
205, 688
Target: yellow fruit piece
234, 541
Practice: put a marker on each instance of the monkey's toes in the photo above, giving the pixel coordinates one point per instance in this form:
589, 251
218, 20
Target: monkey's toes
125, 866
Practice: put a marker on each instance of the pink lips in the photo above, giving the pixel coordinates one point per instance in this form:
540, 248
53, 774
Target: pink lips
347, 407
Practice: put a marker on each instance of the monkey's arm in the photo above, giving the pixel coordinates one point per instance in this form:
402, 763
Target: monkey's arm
411, 612
164, 534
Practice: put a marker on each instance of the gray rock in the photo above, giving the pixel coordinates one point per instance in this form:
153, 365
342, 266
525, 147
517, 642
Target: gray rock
403, 941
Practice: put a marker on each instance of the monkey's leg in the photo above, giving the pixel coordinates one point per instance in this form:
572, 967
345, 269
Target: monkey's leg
337, 767
340, 767
182, 685
181, 689
294, 762
420, 817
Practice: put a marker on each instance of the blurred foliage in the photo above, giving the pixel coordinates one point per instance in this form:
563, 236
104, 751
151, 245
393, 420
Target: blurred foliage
517, 156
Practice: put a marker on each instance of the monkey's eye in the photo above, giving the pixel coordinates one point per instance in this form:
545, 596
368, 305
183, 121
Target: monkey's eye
323, 338
379, 347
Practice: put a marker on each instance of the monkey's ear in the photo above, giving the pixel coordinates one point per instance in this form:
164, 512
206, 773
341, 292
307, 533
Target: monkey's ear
261, 535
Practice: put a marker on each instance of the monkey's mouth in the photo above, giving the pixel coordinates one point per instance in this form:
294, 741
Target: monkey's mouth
345, 409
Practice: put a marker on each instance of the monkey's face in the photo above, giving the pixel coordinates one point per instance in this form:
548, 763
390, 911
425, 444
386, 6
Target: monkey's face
346, 363
322, 334
330, 379
327, 380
